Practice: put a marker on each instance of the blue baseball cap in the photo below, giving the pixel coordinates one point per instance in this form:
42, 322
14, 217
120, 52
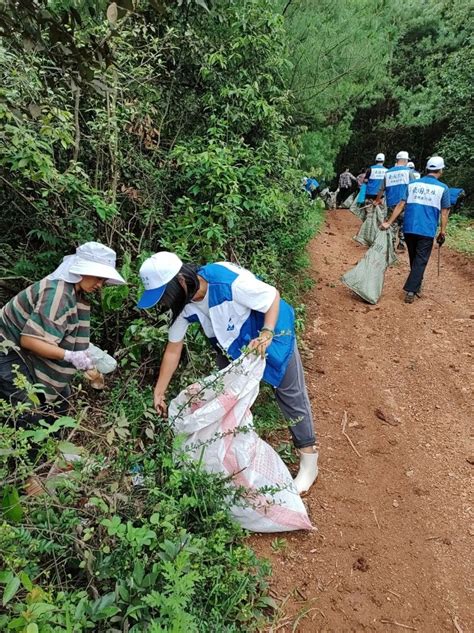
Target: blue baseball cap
156, 272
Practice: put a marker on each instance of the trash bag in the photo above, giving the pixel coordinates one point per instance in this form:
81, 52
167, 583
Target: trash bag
103, 362
328, 197
361, 195
347, 203
375, 215
357, 210
215, 418
367, 277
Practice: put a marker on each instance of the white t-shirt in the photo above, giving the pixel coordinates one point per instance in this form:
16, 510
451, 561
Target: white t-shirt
248, 293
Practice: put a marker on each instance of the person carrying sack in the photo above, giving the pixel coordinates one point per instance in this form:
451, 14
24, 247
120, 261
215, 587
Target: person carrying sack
49, 325
235, 310
426, 200
374, 178
394, 186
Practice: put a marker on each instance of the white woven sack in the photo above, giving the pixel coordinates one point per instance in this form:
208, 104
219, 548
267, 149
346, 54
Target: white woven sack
216, 420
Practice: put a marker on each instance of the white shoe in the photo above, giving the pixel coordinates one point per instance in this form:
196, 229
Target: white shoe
308, 471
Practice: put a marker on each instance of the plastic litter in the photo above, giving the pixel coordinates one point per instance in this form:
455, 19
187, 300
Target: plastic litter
215, 418
367, 277
105, 363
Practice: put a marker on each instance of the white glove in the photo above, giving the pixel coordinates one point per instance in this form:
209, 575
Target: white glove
80, 360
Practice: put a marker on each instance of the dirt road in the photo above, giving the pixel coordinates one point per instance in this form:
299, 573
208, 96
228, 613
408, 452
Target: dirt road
393, 546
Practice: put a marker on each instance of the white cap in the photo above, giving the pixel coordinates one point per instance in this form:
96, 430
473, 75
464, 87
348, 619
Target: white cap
380, 158
435, 163
411, 165
156, 272
402, 156
91, 258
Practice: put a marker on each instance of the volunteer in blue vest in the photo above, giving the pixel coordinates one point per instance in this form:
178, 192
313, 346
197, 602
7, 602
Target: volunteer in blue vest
394, 185
235, 309
374, 178
456, 198
311, 185
426, 200
415, 175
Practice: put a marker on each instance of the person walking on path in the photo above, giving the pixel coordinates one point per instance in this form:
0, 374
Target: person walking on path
415, 175
347, 181
235, 310
48, 323
426, 200
394, 186
374, 177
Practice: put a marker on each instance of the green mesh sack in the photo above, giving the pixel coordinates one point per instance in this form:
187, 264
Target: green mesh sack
358, 210
368, 231
367, 277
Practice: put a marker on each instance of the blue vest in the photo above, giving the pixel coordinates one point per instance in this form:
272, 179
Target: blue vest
454, 194
234, 325
396, 184
426, 197
311, 184
377, 174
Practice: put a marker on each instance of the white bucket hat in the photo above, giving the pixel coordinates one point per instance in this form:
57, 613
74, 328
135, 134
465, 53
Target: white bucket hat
380, 158
435, 163
402, 156
411, 165
91, 258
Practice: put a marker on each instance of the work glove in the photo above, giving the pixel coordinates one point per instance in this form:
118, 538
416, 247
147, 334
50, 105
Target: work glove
441, 239
80, 360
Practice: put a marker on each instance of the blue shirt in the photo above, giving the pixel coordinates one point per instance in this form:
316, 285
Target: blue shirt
454, 194
424, 200
377, 174
311, 184
396, 184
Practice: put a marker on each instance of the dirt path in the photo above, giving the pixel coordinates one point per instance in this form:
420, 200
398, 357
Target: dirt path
395, 525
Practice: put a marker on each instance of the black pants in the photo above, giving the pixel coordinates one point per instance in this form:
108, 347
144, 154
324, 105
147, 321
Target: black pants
419, 251
13, 395
343, 194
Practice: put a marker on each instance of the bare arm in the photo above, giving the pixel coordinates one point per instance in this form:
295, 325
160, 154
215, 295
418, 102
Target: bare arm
263, 342
444, 220
395, 213
379, 197
41, 348
169, 364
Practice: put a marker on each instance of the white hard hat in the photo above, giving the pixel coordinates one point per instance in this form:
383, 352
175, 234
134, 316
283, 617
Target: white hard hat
435, 163
403, 156
156, 272
380, 158
411, 165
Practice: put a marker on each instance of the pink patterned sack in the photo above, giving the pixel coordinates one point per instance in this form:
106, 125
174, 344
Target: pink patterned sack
215, 418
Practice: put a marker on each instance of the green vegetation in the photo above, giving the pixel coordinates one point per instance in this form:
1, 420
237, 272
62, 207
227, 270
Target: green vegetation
461, 234
186, 125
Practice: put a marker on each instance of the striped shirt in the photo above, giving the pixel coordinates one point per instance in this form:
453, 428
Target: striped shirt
52, 312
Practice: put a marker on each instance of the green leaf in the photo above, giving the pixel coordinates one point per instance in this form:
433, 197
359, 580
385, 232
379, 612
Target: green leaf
10, 590
32, 628
25, 581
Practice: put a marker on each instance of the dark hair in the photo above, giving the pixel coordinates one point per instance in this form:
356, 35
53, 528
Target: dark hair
175, 297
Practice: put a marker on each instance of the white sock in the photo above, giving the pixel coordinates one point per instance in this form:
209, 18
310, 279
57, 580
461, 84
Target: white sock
308, 471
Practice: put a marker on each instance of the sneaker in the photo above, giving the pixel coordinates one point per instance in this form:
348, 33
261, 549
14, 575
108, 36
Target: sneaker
409, 297
401, 247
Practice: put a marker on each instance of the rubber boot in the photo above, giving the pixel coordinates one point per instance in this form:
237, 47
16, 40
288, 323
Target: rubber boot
308, 471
